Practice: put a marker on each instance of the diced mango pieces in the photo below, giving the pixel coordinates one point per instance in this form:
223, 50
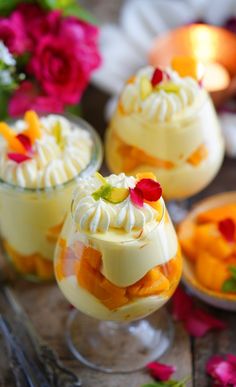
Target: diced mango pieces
154, 282
217, 214
34, 264
211, 272
198, 155
53, 232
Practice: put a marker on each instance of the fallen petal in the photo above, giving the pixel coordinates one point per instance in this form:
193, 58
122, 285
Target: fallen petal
160, 371
182, 304
199, 322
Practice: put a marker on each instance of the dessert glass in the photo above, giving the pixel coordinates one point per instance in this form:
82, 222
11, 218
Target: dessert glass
173, 132
116, 278
31, 219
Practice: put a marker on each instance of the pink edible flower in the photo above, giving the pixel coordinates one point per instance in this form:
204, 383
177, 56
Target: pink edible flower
196, 321
136, 196
222, 369
18, 157
160, 371
227, 229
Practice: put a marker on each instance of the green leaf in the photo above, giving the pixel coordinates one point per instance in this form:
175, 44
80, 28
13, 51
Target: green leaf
168, 383
232, 270
74, 109
229, 286
79, 12
4, 97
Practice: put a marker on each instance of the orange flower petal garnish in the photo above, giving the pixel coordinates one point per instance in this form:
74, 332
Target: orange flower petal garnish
10, 136
33, 131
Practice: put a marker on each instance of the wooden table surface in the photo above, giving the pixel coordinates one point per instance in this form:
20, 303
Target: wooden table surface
48, 309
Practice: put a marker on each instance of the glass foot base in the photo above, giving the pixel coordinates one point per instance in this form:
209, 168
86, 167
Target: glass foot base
119, 347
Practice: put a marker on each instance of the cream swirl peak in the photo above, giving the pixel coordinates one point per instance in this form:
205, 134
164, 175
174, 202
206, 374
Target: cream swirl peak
117, 202
160, 101
43, 152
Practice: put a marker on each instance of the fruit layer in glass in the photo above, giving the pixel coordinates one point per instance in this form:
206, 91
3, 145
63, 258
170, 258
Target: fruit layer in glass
166, 124
41, 159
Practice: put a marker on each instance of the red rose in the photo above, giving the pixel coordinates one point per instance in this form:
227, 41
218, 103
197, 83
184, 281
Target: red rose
63, 63
38, 22
13, 34
27, 97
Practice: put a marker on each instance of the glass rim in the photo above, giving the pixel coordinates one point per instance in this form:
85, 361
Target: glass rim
126, 241
93, 165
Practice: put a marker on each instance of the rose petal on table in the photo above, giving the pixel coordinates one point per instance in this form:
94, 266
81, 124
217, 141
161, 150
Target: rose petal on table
136, 196
182, 304
225, 373
200, 322
212, 363
160, 371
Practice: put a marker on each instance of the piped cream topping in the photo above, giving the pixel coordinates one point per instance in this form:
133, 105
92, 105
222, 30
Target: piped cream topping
100, 215
56, 158
160, 105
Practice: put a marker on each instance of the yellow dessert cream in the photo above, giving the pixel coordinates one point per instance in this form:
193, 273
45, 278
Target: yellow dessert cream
118, 257
170, 128
40, 160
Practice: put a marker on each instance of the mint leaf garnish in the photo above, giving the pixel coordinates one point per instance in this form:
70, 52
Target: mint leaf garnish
229, 286
232, 270
102, 192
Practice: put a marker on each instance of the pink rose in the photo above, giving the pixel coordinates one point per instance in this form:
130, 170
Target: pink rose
13, 34
37, 22
27, 97
63, 63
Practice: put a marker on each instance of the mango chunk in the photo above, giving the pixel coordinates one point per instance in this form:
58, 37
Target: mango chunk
217, 214
210, 271
186, 66
33, 131
153, 283
198, 156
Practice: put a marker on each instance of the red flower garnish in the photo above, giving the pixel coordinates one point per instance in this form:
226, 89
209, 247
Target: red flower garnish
150, 189
160, 371
227, 229
157, 77
136, 196
196, 321
25, 141
18, 157
145, 189
222, 369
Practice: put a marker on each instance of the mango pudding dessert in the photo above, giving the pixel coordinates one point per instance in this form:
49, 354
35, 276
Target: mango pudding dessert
166, 123
40, 161
118, 256
208, 240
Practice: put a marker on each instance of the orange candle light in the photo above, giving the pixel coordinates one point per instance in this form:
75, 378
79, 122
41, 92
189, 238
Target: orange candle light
214, 48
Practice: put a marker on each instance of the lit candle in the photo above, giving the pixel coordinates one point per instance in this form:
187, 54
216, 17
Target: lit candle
213, 47
215, 77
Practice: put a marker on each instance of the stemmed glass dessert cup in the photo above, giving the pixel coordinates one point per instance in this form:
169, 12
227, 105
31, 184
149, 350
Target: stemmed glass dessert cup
116, 280
166, 124
31, 218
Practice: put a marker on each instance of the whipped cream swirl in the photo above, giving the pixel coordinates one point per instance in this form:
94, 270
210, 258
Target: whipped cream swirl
160, 105
54, 161
100, 215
